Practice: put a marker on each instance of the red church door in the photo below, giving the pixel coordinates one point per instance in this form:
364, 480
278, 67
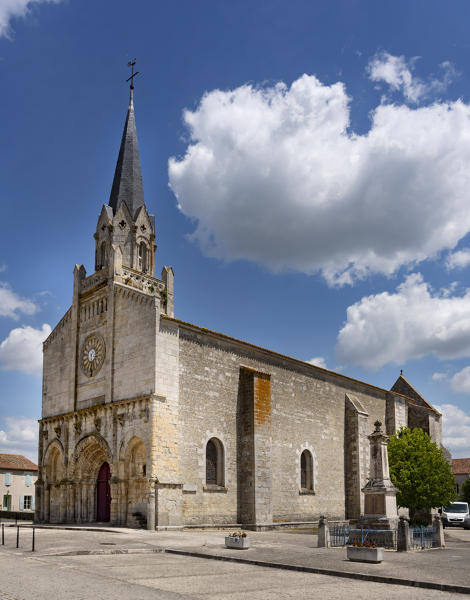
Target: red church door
103, 494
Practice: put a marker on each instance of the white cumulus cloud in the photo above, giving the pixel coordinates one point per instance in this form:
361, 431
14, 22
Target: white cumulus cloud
459, 259
439, 376
397, 72
11, 304
10, 9
20, 436
274, 175
460, 382
410, 323
318, 361
455, 430
22, 349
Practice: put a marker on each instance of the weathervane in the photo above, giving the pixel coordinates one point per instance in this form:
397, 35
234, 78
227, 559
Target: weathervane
131, 78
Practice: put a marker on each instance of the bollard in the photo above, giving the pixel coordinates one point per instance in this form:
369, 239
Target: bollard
17, 537
438, 533
403, 535
3, 534
323, 533
32, 549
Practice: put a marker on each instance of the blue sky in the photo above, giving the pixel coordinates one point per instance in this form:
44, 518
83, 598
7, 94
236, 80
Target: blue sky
308, 165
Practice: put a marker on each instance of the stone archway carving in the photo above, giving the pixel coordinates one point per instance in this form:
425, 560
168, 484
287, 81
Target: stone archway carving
90, 453
136, 485
54, 472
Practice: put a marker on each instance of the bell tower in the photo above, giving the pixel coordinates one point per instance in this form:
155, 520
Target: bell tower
124, 222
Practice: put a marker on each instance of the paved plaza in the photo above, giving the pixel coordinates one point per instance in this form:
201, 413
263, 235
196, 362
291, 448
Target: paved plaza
137, 564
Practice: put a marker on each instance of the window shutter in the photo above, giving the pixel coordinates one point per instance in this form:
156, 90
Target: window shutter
32, 502
7, 478
27, 480
21, 502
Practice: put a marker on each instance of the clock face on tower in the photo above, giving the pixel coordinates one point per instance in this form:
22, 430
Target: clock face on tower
92, 354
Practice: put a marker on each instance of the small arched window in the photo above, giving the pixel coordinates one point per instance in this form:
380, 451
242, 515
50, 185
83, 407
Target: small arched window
306, 470
103, 260
143, 257
214, 463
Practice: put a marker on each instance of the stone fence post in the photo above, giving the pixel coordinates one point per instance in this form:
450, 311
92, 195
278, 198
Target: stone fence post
438, 533
403, 535
323, 533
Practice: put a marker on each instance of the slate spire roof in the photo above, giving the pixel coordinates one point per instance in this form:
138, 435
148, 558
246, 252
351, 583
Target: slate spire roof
127, 183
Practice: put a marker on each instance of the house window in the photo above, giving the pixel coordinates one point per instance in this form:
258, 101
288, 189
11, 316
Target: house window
214, 462
306, 470
7, 478
7, 502
28, 503
28, 480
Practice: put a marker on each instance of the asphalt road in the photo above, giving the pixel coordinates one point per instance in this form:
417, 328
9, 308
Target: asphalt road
59, 569
160, 576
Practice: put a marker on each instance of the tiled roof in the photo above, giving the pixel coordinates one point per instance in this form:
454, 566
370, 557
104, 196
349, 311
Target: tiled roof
461, 466
17, 462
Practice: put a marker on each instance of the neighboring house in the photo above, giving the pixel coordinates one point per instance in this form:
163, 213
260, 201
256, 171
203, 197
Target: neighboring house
461, 471
17, 478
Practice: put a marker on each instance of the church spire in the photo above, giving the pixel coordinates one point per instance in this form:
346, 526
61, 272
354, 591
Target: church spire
127, 183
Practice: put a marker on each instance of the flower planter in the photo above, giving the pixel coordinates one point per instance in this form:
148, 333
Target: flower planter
362, 554
240, 543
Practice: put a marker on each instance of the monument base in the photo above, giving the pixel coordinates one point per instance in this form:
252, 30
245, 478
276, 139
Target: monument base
377, 522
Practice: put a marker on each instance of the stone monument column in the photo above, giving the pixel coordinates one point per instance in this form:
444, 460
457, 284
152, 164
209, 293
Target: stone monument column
380, 502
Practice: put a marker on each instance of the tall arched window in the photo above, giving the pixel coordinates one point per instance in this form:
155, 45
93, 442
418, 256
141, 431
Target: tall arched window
103, 260
306, 470
143, 257
214, 462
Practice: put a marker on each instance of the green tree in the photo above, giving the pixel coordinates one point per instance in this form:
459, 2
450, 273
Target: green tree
465, 491
419, 470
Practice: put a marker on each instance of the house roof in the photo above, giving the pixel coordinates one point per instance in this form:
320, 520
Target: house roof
461, 466
17, 462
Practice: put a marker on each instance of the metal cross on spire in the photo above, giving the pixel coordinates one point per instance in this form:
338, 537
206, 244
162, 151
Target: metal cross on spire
131, 78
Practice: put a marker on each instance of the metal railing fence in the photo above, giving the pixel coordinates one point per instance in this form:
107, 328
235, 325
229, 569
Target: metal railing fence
421, 538
344, 535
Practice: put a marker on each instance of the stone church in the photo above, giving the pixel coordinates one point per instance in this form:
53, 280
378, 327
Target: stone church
149, 421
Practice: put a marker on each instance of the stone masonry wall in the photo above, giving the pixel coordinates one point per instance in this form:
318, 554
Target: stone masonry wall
57, 370
135, 327
307, 412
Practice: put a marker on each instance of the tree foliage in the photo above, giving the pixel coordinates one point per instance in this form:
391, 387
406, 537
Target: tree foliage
419, 470
465, 491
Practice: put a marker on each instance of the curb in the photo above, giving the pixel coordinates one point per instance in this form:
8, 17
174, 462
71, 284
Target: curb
430, 585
